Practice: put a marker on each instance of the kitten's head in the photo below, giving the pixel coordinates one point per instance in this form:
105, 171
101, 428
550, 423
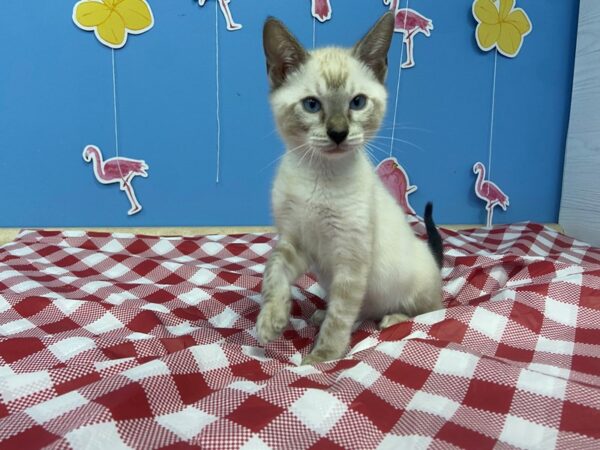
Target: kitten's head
328, 101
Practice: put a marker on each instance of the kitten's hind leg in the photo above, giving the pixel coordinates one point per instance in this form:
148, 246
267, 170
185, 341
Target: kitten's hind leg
318, 317
392, 319
285, 265
430, 300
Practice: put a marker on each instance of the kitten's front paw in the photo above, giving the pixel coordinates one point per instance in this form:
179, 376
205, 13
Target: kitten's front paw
321, 355
318, 317
392, 319
271, 321
310, 359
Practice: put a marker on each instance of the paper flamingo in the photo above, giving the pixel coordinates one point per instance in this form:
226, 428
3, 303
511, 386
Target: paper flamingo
395, 179
224, 5
321, 10
489, 192
117, 170
409, 22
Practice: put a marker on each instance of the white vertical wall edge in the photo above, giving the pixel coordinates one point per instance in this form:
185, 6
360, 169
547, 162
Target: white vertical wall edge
580, 203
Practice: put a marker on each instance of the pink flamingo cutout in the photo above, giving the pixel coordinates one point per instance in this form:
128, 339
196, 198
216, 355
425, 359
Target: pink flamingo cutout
395, 179
224, 5
488, 191
117, 170
321, 10
409, 22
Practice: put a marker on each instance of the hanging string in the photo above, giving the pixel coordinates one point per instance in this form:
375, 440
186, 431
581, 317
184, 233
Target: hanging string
398, 82
115, 116
489, 166
217, 75
314, 36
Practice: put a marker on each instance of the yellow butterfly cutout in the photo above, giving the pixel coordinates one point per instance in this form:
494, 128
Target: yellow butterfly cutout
500, 25
112, 20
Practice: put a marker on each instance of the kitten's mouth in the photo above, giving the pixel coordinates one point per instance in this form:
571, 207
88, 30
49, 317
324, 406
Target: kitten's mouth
331, 149
339, 149
336, 150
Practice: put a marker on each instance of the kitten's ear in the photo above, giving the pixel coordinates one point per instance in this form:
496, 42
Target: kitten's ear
284, 53
373, 48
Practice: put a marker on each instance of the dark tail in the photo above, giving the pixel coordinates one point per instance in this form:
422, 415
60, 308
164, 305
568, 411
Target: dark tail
433, 236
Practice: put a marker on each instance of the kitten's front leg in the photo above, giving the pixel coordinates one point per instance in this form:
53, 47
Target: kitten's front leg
285, 265
346, 295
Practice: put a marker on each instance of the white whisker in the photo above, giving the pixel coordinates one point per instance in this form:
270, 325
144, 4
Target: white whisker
412, 144
270, 133
284, 153
355, 141
309, 150
355, 136
375, 147
312, 154
369, 153
425, 130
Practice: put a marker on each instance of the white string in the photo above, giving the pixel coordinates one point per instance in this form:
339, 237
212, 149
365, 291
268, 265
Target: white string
398, 83
114, 80
218, 91
314, 32
489, 166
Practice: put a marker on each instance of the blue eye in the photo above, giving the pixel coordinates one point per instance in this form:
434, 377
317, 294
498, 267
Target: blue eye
358, 102
311, 105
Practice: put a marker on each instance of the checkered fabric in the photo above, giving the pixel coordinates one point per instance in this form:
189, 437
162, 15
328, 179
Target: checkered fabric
112, 341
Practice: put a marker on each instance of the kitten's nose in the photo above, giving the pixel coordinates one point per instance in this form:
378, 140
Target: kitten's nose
337, 136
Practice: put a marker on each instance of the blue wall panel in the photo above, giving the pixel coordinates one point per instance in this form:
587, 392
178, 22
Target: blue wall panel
56, 97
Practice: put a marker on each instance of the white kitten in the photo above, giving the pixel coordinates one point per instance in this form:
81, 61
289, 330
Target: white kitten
332, 212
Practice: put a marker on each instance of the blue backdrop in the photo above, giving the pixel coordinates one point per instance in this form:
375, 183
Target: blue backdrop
56, 97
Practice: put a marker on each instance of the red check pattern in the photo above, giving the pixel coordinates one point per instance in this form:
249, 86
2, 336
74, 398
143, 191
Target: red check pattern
146, 342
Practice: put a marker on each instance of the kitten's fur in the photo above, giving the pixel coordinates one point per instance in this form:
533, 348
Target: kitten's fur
332, 212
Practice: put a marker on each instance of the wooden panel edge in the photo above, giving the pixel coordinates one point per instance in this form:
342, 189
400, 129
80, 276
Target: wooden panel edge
9, 234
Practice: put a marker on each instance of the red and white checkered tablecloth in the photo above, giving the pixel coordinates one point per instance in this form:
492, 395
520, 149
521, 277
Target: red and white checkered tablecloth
112, 341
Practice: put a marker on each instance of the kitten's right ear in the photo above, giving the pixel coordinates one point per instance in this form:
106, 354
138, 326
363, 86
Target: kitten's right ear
284, 53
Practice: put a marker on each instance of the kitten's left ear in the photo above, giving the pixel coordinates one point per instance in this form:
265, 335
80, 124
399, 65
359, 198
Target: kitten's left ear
373, 48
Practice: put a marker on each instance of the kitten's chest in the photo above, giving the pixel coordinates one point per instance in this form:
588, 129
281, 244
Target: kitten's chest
322, 211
